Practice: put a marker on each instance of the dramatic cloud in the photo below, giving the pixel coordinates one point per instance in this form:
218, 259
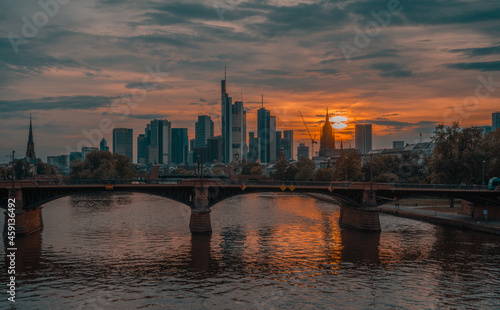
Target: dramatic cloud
410, 65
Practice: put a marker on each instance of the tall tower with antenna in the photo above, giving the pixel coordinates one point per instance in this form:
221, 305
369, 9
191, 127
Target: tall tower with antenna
227, 121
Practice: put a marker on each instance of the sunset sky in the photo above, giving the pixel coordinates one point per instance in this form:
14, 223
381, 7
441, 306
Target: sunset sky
428, 63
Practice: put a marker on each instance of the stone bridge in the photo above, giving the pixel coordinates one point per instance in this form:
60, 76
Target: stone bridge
358, 201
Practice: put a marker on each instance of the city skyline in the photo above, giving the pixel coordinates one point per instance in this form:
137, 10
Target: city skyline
405, 76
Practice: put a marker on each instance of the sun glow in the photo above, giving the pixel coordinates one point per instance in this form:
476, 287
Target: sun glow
339, 122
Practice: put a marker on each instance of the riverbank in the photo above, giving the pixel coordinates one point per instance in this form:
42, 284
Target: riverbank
424, 214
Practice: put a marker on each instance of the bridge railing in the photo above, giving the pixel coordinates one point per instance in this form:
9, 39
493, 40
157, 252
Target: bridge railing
174, 181
439, 186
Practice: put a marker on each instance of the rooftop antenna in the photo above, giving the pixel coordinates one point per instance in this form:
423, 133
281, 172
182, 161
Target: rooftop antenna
263, 101
224, 73
420, 137
241, 96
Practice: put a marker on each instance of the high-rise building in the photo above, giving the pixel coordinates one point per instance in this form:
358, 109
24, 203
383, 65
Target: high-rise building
273, 151
495, 121
227, 122
30, 148
398, 144
142, 144
278, 140
327, 142
74, 155
253, 147
159, 142
214, 149
287, 144
180, 145
302, 151
363, 137
266, 131
103, 145
123, 142
238, 131
263, 133
204, 129
191, 144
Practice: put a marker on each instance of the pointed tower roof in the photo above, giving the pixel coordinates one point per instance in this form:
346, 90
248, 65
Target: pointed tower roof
30, 138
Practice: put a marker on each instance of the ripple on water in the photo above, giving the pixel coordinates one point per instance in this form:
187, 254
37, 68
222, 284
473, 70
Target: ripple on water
267, 251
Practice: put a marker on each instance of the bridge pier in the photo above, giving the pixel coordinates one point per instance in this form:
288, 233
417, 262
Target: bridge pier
200, 222
364, 218
27, 221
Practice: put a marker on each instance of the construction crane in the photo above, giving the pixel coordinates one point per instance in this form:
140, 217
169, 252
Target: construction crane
313, 142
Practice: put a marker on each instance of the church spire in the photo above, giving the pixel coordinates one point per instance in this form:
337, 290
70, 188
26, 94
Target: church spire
30, 149
30, 137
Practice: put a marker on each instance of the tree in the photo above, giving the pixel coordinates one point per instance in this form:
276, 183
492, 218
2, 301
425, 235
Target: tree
323, 175
458, 155
102, 165
284, 171
22, 169
492, 162
348, 167
247, 168
306, 168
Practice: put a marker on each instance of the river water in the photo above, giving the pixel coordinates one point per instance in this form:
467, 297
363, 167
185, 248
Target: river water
267, 251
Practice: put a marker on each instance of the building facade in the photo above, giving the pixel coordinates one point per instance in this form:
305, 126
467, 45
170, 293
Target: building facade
363, 138
302, 151
103, 145
287, 144
204, 130
123, 142
180, 145
495, 121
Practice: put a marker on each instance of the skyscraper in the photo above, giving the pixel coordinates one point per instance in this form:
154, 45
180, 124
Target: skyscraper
302, 151
180, 145
238, 131
273, 151
103, 145
227, 122
327, 142
30, 148
278, 140
363, 137
287, 144
123, 142
204, 129
495, 121
159, 142
142, 144
214, 149
253, 147
263, 133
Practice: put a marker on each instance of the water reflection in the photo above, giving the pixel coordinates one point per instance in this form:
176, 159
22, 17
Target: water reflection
282, 251
360, 246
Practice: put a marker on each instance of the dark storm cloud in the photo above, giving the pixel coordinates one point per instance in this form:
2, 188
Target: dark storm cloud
302, 18
274, 72
393, 70
429, 12
323, 71
478, 51
148, 86
137, 116
53, 103
480, 66
398, 124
